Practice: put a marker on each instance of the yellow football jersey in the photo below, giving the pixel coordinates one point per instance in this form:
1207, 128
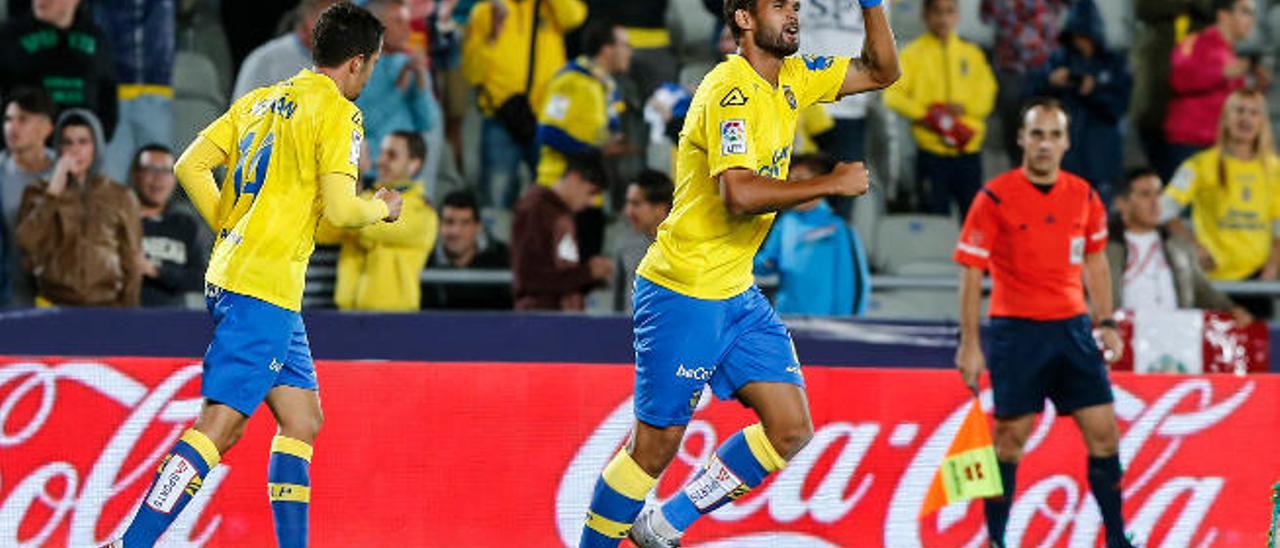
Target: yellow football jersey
736, 120
279, 140
1233, 220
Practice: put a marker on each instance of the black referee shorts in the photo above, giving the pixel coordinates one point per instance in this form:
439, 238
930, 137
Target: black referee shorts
1032, 360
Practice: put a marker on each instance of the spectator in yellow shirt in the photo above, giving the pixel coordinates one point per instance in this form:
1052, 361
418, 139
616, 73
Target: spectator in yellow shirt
1233, 189
511, 51
581, 115
947, 90
380, 265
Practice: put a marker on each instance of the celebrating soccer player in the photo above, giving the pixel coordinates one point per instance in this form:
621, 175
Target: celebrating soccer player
1038, 229
284, 145
699, 319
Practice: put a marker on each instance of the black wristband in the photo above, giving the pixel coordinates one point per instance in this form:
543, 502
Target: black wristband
1107, 322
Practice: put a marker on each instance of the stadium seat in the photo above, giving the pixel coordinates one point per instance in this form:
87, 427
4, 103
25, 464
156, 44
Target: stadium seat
498, 222
931, 268
691, 28
901, 239
912, 304
197, 96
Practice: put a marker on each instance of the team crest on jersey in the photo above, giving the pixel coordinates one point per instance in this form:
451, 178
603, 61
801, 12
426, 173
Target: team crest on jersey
790, 95
734, 98
817, 62
733, 137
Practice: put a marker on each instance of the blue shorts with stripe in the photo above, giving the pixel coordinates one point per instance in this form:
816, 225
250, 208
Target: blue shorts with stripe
256, 346
1031, 360
683, 344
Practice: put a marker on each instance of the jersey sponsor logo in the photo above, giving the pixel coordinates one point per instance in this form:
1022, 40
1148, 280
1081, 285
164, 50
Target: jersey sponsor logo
779, 162
693, 373
716, 482
817, 62
1077, 250
790, 95
176, 474
356, 139
733, 137
281, 105
735, 98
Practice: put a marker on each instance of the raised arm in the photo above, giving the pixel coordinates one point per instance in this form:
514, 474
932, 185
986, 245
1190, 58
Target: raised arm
877, 67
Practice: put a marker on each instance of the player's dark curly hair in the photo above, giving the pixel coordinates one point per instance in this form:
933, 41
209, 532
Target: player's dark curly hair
731, 7
345, 30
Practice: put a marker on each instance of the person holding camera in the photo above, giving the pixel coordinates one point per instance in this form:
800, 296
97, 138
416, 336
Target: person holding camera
1094, 83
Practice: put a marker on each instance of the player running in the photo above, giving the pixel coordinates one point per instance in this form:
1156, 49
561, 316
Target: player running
699, 319
291, 151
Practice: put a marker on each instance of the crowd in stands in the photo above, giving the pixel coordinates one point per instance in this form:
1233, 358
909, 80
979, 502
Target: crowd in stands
537, 137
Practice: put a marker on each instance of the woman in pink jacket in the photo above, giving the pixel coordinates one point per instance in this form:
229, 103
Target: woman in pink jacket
1204, 70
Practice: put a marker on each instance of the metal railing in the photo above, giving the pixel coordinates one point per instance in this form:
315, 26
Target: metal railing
502, 277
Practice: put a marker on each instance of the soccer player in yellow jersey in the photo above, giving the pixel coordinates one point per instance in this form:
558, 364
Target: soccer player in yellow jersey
291, 151
699, 319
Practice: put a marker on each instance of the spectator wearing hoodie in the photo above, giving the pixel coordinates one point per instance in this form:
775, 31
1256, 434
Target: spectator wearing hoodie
59, 49
1025, 33
80, 232
820, 260
142, 34
1204, 70
946, 91
1094, 84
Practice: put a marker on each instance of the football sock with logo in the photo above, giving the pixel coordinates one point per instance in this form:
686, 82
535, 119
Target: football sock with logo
739, 465
179, 477
1104, 481
618, 499
289, 487
997, 508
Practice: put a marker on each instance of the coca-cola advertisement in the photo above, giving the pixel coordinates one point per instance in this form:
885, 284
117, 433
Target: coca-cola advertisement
506, 454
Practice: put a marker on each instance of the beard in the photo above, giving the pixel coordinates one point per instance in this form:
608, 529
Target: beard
773, 42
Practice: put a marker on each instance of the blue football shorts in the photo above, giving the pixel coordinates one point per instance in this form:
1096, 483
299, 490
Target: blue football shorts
1032, 360
683, 344
256, 346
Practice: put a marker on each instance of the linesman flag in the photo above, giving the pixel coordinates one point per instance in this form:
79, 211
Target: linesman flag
969, 470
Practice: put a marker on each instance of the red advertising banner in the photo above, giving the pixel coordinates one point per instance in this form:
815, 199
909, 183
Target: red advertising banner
482, 454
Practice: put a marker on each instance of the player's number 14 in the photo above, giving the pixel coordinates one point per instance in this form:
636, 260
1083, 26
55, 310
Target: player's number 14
260, 160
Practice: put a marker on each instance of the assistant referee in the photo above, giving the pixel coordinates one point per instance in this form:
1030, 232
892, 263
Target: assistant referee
1041, 232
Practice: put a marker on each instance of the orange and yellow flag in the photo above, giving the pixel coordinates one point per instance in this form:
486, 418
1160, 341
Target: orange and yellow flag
969, 469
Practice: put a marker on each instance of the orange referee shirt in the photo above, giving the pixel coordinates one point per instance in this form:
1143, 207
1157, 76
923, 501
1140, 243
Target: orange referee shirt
1034, 243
